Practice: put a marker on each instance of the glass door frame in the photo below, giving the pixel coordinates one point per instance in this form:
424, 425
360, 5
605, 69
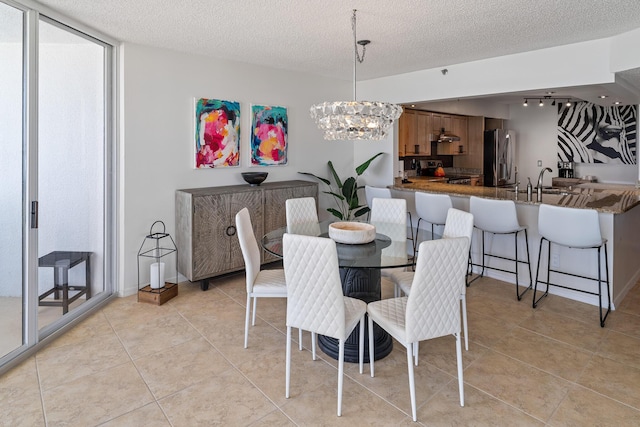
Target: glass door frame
32, 337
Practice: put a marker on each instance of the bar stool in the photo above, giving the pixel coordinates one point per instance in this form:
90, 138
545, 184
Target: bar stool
500, 217
575, 229
432, 208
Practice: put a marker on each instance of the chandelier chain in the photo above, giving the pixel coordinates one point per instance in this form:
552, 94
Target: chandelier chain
355, 39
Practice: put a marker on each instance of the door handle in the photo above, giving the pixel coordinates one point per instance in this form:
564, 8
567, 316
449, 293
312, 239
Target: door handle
34, 214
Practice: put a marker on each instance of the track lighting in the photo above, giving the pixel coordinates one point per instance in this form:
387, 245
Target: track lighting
552, 100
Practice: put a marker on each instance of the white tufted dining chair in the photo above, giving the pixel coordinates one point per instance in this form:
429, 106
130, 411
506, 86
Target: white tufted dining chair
260, 283
390, 215
431, 310
457, 224
371, 193
302, 216
315, 301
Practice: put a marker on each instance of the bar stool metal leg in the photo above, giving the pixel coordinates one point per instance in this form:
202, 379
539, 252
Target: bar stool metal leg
526, 241
599, 279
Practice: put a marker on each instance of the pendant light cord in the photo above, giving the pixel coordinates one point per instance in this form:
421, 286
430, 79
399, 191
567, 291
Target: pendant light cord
356, 56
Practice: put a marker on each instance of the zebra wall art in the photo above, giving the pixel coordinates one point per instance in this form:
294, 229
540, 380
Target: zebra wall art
590, 133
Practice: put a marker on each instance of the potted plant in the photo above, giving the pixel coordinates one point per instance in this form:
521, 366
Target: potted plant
345, 193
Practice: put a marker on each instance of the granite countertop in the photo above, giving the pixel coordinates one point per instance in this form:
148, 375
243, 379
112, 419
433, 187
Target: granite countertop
614, 198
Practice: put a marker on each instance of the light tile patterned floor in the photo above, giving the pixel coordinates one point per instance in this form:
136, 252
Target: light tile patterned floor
183, 364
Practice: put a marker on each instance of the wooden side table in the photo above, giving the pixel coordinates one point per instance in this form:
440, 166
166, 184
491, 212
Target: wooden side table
62, 262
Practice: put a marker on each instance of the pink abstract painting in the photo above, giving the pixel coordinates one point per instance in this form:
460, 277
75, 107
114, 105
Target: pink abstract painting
217, 133
269, 135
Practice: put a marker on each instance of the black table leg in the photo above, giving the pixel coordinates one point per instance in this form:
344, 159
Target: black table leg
364, 284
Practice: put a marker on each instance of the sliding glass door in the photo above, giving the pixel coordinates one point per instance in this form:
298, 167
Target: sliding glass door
57, 174
71, 107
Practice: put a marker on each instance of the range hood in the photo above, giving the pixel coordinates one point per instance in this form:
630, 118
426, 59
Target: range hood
447, 136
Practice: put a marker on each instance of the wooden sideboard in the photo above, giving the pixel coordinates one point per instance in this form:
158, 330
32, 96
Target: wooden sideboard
205, 224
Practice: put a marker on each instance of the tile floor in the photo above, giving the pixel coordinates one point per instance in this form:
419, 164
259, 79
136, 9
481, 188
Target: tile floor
183, 364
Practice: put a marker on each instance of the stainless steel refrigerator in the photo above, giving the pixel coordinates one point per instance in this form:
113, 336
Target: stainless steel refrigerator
499, 158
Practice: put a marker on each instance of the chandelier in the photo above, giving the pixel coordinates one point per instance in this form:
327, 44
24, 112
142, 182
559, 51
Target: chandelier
355, 120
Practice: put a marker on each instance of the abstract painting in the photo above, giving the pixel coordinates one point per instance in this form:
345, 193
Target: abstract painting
591, 133
217, 133
269, 135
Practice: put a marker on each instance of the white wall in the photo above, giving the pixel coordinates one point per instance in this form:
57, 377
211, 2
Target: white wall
159, 87
536, 139
571, 65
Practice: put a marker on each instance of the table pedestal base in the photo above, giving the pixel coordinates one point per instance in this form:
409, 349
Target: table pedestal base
364, 284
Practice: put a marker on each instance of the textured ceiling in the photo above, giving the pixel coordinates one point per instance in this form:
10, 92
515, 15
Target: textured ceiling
315, 36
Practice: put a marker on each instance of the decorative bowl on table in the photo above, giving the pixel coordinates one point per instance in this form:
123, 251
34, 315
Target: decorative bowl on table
352, 233
254, 178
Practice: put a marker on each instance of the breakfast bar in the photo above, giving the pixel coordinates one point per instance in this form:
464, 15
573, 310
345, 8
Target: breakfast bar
619, 223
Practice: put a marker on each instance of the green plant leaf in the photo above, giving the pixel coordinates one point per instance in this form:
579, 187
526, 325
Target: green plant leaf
335, 174
335, 213
326, 181
349, 189
363, 167
361, 212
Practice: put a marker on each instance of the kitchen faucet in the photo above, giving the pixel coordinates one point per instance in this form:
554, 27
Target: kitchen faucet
540, 182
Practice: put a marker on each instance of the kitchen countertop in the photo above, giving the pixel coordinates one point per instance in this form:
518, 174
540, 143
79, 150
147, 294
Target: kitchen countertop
614, 198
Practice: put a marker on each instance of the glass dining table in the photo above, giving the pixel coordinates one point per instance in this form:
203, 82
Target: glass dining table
360, 272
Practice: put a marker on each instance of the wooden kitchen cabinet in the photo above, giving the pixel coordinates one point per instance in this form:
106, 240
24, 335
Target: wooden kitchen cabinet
407, 132
423, 132
458, 126
439, 121
205, 224
474, 145
414, 129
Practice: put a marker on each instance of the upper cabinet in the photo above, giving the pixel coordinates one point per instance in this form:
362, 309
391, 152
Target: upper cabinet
440, 121
418, 128
414, 138
458, 126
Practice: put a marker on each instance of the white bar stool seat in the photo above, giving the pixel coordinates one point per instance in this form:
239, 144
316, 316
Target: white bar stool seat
576, 229
500, 217
432, 208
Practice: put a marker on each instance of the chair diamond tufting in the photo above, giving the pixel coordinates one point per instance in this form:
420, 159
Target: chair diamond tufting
302, 216
431, 310
315, 301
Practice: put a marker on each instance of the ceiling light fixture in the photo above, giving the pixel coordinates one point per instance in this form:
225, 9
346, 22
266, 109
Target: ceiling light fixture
525, 103
617, 103
568, 103
541, 104
355, 120
602, 96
